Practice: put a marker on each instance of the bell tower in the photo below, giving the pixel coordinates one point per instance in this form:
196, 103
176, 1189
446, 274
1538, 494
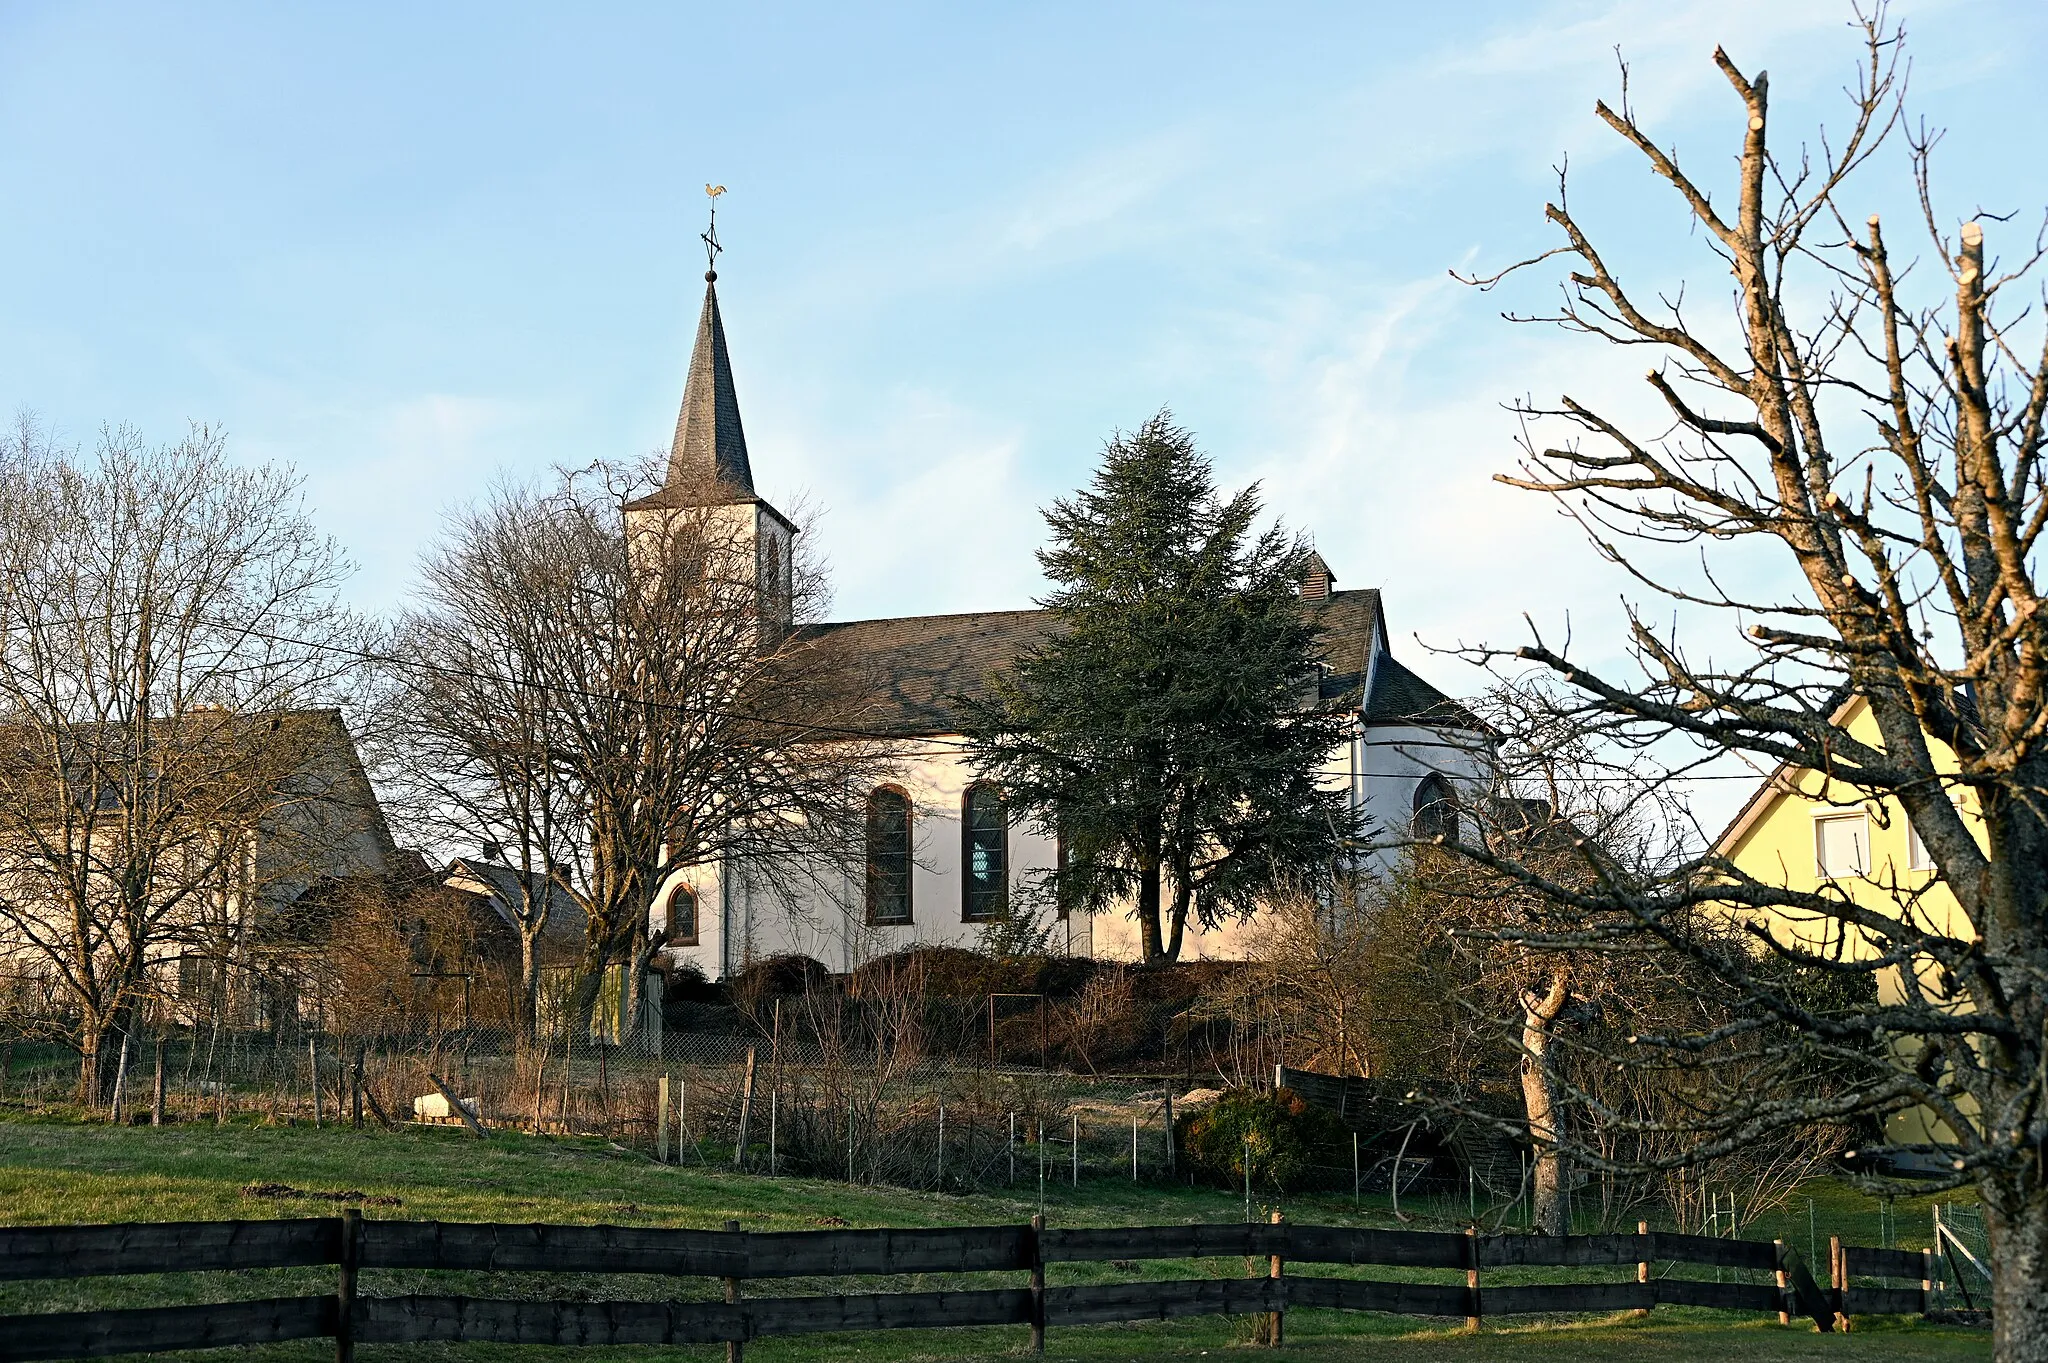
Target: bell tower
707, 463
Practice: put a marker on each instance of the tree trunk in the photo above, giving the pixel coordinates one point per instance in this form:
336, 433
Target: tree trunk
1179, 917
2017, 1220
1539, 1099
91, 1041
526, 1007
1148, 915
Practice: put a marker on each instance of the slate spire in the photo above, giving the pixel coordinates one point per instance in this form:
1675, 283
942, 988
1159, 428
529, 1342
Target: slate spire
710, 449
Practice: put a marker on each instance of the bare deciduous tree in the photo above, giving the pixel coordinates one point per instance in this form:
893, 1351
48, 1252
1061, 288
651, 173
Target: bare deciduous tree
611, 700
164, 615
1888, 442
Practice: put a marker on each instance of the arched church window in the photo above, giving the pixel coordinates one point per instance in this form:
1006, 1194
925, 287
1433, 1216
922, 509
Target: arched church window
1436, 809
984, 859
888, 855
679, 916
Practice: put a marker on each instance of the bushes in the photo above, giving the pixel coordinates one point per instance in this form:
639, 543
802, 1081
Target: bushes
789, 973
1283, 1134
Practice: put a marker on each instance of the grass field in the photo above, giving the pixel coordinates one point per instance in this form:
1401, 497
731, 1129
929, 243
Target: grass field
53, 1172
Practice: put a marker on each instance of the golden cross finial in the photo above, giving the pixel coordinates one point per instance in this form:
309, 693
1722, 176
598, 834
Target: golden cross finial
710, 237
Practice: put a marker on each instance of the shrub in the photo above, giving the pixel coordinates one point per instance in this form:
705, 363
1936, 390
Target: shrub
1284, 1134
791, 973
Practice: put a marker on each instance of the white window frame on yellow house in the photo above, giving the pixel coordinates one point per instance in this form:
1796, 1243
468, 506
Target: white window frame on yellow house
1917, 856
1824, 817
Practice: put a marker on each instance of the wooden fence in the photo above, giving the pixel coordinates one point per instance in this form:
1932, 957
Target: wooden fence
352, 1243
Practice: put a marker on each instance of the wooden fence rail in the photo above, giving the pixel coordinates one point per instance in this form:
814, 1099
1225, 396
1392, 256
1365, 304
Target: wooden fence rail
354, 1244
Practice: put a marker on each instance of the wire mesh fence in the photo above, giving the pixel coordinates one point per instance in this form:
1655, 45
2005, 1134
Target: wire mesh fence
866, 1093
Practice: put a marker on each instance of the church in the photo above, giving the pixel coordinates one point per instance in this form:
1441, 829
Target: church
942, 852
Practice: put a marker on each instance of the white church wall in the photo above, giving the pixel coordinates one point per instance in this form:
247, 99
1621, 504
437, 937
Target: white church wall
1394, 759
829, 921
1381, 767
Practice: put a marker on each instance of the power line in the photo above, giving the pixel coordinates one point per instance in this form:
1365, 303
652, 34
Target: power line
917, 745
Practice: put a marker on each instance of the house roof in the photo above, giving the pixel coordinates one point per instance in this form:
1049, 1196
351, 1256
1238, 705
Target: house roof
1397, 695
498, 884
915, 665
306, 756
1781, 782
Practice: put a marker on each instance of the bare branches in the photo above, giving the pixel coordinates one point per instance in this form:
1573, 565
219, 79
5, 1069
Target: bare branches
1887, 441
617, 696
166, 618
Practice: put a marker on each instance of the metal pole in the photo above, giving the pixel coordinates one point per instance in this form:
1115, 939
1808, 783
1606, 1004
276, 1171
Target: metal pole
1247, 1178
1075, 1149
1013, 1148
1134, 1147
942, 1146
774, 1105
1041, 1168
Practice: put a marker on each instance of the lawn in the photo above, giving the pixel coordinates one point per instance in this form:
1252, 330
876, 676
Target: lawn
55, 1172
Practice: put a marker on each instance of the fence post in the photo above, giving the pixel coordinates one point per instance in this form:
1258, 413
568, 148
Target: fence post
1813, 1302
661, 1120
1075, 1149
1840, 1282
739, 1147
732, 1298
355, 1092
1170, 1170
733, 1347
1472, 1275
345, 1292
1038, 1283
1784, 1303
1277, 1320
1643, 1264
120, 1083
313, 1069
1354, 1169
156, 1098
1926, 1281
941, 1179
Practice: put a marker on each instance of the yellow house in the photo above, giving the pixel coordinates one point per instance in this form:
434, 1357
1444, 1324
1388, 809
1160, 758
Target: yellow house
1808, 832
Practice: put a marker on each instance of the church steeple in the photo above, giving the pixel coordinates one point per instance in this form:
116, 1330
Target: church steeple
710, 482
710, 448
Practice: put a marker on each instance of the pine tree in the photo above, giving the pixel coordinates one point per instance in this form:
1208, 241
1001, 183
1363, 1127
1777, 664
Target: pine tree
1170, 732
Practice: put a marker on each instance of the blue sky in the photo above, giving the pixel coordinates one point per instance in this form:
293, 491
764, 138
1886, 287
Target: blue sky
406, 247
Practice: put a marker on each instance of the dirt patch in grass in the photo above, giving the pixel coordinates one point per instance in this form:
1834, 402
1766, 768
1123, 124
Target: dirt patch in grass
284, 1192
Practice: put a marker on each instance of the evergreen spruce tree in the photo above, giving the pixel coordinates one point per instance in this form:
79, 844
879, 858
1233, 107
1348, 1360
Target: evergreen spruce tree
1170, 733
